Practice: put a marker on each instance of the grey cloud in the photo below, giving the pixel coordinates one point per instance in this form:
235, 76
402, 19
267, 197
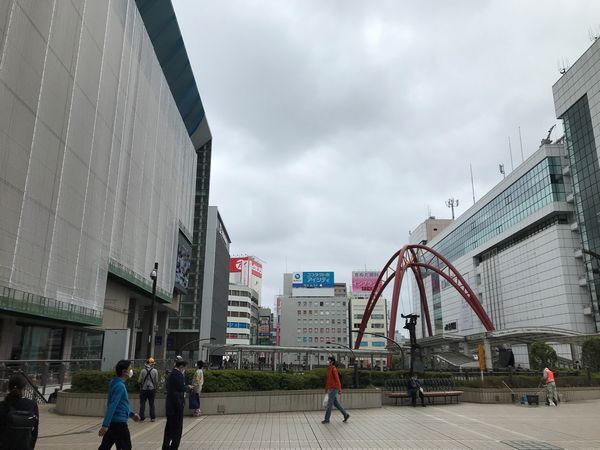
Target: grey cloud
336, 123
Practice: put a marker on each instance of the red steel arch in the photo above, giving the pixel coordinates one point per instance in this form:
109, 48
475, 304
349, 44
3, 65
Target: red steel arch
415, 257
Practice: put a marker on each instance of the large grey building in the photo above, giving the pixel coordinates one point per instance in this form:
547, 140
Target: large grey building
577, 103
518, 248
312, 315
104, 170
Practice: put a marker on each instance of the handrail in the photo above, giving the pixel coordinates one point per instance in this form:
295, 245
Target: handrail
32, 388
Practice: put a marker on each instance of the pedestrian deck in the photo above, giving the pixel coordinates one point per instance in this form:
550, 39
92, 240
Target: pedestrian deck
475, 426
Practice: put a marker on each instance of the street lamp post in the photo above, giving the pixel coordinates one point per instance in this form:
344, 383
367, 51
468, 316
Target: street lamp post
195, 341
386, 338
355, 374
152, 334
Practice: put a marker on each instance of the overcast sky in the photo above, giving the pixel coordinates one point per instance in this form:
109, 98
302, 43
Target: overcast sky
337, 124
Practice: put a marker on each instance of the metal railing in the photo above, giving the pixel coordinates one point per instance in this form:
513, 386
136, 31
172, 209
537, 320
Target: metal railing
45, 375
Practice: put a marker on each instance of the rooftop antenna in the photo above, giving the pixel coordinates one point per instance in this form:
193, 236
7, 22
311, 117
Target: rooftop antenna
452, 203
428, 211
521, 144
563, 65
512, 166
472, 184
501, 167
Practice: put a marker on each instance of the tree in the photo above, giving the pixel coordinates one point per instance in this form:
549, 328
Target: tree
542, 355
590, 353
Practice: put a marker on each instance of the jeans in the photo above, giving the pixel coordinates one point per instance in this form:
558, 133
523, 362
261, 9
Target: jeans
333, 401
173, 430
149, 395
117, 434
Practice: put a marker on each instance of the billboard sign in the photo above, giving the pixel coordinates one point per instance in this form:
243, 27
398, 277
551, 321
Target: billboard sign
312, 280
182, 265
246, 271
364, 282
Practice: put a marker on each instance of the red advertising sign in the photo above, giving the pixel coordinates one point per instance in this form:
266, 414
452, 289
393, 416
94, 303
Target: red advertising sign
237, 264
256, 269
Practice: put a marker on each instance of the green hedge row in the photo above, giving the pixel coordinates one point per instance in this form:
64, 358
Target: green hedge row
247, 380
243, 380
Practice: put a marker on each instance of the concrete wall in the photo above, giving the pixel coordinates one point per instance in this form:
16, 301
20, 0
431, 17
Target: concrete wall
93, 405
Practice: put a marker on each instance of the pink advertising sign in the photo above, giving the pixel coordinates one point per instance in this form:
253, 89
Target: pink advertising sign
364, 282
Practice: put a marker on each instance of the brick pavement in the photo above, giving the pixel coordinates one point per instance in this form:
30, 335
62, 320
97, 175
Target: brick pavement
475, 426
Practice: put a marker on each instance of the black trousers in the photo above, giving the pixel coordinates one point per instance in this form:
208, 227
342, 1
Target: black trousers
147, 395
173, 430
413, 397
117, 434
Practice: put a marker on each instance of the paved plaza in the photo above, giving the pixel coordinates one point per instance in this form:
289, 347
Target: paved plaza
466, 425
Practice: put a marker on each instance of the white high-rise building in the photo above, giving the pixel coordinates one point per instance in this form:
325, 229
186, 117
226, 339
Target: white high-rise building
245, 284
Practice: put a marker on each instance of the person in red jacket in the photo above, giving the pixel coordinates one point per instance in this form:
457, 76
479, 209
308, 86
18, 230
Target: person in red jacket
333, 389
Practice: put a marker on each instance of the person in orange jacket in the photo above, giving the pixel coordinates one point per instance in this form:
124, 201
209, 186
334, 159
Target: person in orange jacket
333, 389
551, 394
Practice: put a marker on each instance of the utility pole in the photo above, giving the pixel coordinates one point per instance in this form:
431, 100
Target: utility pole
452, 203
152, 333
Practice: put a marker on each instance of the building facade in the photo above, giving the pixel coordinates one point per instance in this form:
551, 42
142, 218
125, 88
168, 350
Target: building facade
265, 327
577, 103
98, 166
245, 285
519, 249
212, 310
242, 315
363, 283
310, 314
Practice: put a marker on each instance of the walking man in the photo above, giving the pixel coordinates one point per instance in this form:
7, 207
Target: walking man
175, 403
551, 394
114, 426
333, 389
148, 380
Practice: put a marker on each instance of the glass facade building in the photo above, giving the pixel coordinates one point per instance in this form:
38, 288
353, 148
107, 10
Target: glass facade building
516, 247
539, 187
577, 103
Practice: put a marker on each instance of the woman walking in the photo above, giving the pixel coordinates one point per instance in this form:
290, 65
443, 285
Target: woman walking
197, 384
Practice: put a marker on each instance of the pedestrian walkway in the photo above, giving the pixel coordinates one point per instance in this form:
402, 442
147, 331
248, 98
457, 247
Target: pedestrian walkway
466, 425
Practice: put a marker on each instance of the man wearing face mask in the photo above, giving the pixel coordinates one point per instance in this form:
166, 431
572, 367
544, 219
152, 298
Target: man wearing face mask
114, 426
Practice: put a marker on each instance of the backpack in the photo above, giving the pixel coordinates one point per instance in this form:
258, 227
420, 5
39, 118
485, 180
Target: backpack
19, 428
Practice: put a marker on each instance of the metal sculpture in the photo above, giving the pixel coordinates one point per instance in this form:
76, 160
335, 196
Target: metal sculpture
418, 257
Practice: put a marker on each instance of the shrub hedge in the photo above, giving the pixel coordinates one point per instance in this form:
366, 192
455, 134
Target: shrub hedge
247, 380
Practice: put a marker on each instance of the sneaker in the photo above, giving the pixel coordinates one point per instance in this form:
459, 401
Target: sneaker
346, 417
324, 421
142, 419
151, 420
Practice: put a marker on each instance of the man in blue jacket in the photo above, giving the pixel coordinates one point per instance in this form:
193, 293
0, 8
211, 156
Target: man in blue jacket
175, 404
114, 426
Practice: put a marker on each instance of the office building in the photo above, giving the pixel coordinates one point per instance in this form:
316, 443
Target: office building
245, 285
212, 310
265, 327
242, 315
104, 165
577, 103
311, 315
519, 249
363, 283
